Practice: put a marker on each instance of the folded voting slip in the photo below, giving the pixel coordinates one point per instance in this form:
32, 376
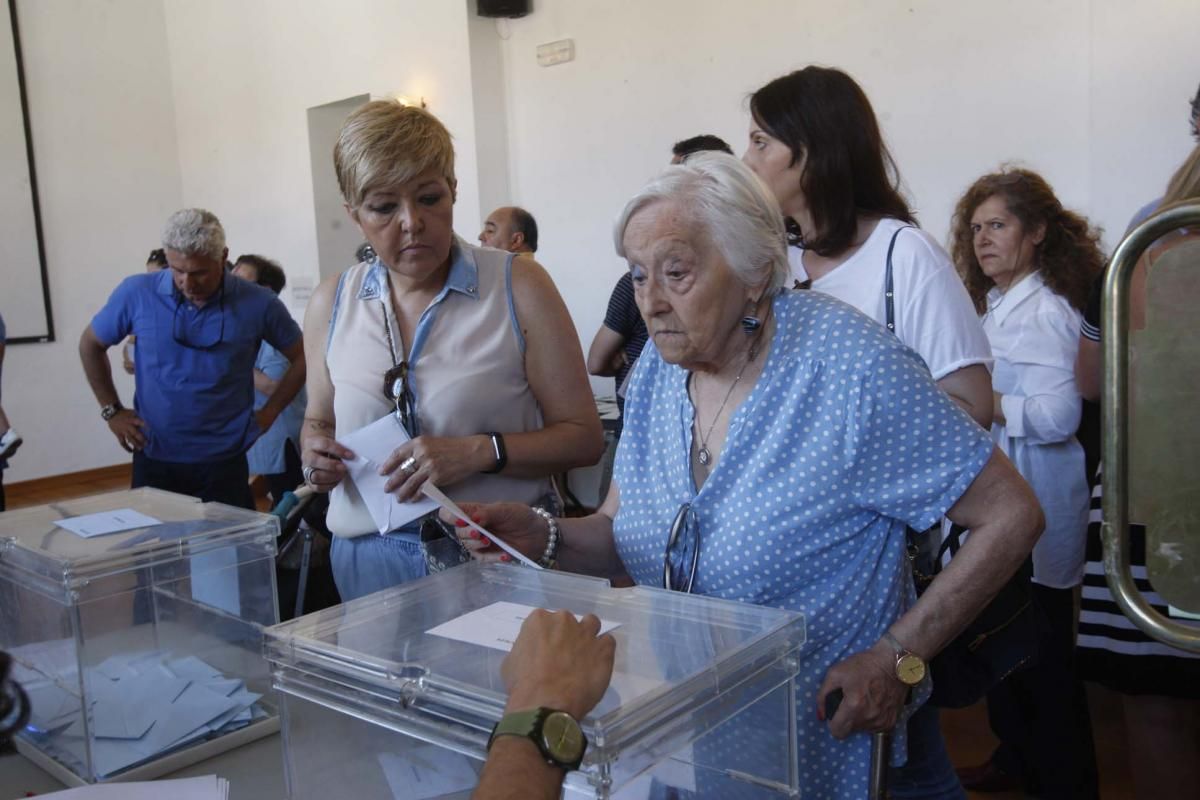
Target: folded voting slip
372, 445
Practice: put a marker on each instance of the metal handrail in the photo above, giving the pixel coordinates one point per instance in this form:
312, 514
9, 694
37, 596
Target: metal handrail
1114, 530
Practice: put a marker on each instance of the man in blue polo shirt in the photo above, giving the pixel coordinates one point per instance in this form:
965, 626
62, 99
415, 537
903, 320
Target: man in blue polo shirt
198, 332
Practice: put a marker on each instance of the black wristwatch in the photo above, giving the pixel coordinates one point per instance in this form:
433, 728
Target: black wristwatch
499, 451
111, 410
556, 733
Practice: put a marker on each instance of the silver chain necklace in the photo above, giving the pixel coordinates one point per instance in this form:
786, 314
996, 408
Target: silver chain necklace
705, 455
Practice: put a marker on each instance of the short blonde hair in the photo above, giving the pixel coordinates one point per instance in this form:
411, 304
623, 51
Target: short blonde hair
384, 143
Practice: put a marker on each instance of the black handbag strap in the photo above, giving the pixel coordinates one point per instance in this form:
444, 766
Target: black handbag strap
888, 301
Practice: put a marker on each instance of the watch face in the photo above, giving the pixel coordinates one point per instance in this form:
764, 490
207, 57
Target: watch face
910, 669
562, 738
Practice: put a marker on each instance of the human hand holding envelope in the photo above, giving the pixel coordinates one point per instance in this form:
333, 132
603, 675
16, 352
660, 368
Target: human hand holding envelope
372, 445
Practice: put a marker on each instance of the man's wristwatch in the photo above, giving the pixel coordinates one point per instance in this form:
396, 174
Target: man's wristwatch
111, 410
556, 734
910, 667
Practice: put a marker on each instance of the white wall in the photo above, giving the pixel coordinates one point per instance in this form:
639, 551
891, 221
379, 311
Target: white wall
142, 106
245, 73
1092, 93
103, 123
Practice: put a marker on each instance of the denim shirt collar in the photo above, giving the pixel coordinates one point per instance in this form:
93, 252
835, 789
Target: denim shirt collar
462, 278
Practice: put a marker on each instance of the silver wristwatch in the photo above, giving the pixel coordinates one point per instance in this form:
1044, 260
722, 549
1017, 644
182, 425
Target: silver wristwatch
111, 410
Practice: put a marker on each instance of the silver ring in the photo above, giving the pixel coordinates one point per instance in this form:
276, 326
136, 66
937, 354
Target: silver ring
307, 472
409, 465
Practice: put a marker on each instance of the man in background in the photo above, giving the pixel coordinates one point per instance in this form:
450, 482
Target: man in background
276, 454
698, 144
510, 228
198, 334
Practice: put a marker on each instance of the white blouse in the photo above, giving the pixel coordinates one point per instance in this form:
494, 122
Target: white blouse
934, 314
1034, 334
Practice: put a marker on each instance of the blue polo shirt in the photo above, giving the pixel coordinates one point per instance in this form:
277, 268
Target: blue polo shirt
195, 366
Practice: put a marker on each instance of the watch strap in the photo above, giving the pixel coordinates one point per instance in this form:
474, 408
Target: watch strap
894, 643
528, 724
517, 723
499, 451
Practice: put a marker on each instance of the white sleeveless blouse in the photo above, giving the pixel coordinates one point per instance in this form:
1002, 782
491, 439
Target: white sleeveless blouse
467, 370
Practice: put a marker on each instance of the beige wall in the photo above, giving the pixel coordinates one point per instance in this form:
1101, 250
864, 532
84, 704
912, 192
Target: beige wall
103, 123
1092, 93
143, 106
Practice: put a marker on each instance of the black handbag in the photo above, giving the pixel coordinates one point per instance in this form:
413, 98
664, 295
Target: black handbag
999, 641
1003, 637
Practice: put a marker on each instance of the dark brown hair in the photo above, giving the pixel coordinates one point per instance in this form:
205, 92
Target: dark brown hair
824, 114
1069, 257
267, 273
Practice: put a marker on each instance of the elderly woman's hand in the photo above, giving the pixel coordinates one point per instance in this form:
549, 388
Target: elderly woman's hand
872, 694
442, 460
518, 525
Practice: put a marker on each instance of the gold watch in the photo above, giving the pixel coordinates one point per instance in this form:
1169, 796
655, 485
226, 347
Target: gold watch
910, 667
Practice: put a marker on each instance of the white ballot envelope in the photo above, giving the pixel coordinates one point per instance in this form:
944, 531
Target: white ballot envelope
371, 446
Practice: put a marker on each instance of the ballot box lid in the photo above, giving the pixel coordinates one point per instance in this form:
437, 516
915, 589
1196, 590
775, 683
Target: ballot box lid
424, 659
38, 553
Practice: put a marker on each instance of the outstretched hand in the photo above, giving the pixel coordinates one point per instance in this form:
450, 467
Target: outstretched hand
559, 662
515, 523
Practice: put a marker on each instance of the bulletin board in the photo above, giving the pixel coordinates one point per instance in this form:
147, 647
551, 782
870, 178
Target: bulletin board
24, 289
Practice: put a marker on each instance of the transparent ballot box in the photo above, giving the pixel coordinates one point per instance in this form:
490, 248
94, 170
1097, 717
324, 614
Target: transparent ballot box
394, 695
141, 649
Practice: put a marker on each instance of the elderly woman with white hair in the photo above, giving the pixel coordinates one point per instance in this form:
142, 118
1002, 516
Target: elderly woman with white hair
777, 445
472, 349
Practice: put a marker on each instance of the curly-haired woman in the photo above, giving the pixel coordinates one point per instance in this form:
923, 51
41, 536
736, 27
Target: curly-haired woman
1028, 264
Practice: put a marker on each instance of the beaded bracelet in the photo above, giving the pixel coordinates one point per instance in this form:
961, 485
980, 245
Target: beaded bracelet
547, 559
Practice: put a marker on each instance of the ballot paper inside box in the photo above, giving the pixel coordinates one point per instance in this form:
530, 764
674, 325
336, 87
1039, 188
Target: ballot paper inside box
393, 696
140, 649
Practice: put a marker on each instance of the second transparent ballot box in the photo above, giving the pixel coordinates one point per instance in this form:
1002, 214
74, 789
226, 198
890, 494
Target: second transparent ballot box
394, 695
134, 620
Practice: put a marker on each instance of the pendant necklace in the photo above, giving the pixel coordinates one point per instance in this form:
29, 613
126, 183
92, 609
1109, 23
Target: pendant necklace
705, 456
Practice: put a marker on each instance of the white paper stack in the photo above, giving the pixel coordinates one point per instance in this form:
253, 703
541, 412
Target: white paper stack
208, 787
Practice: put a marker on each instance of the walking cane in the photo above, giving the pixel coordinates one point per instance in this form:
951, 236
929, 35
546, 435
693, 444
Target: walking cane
881, 746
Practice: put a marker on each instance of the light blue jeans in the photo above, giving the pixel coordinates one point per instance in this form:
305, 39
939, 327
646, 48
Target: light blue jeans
366, 564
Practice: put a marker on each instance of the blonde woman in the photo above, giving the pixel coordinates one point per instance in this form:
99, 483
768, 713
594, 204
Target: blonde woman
472, 348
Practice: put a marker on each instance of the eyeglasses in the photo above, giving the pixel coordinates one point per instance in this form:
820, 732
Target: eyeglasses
179, 331
683, 551
397, 390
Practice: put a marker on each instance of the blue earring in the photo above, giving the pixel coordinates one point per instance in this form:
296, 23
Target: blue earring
750, 324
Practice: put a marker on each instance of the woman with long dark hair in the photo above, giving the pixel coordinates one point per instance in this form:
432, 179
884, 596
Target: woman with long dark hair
1028, 263
815, 141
